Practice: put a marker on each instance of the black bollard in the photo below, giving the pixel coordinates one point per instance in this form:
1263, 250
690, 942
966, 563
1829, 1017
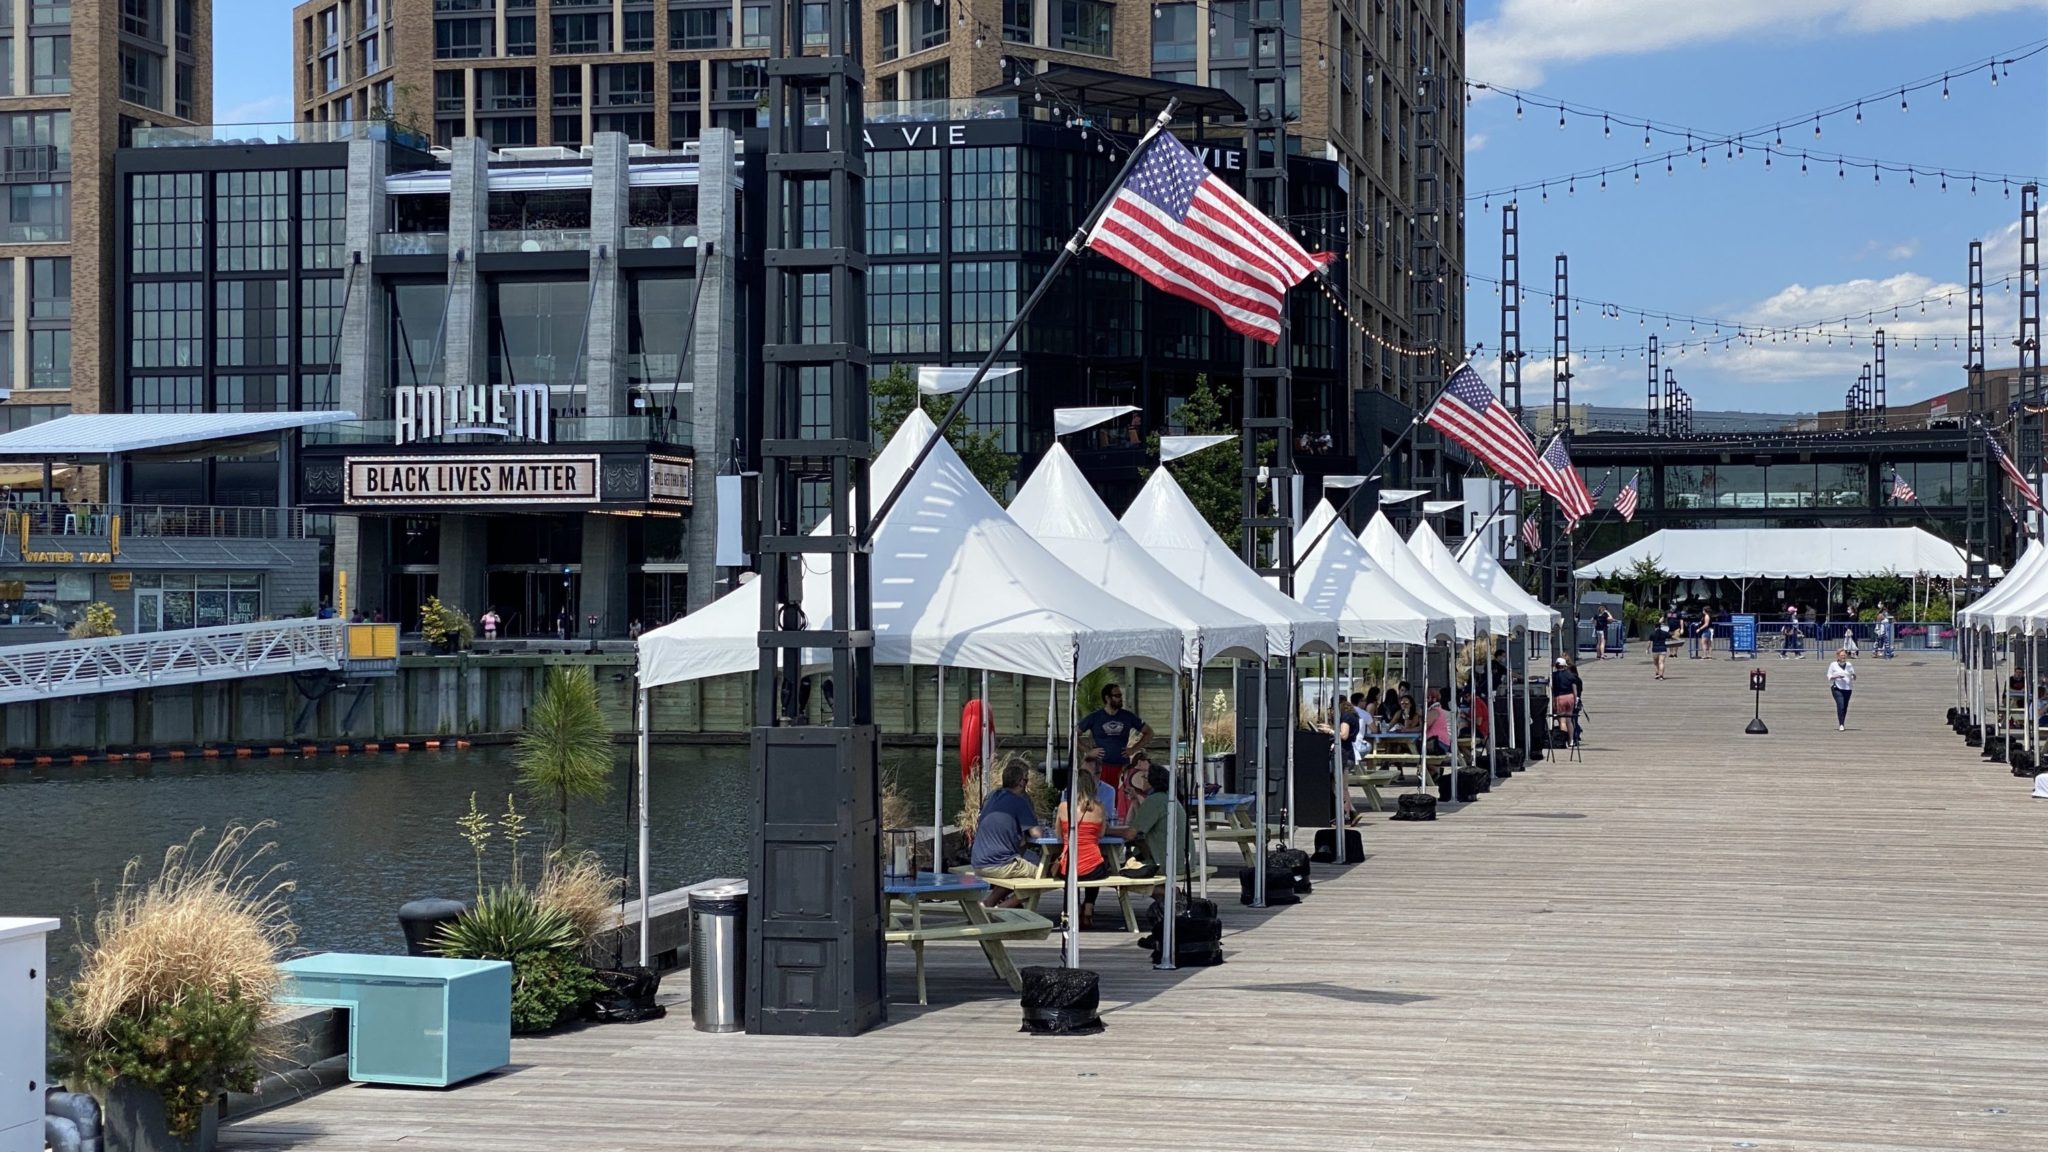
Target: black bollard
421, 921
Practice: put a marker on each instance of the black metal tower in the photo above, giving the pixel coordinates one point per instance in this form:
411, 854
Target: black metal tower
1876, 397
2029, 338
1510, 337
1984, 533
1557, 573
1426, 298
815, 921
1654, 417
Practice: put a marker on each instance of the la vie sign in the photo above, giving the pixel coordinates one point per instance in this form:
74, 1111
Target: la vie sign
996, 131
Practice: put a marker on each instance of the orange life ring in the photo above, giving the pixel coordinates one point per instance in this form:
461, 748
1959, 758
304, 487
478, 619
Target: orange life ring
970, 737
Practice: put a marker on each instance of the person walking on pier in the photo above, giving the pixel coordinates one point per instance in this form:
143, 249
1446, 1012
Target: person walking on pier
1842, 681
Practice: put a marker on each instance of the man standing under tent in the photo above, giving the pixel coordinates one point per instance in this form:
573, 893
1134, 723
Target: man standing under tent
1115, 734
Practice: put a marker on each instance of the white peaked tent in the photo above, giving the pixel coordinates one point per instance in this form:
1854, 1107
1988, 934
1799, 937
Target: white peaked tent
1060, 509
956, 583
1340, 582
1165, 523
1430, 551
1817, 553
1390, 552
1477, 558
2027, 582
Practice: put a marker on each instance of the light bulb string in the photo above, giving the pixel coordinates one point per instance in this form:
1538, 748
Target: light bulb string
1911, 169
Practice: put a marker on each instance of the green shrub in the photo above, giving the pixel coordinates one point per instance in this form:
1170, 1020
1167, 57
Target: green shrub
549, 985
549, 989
186, 1051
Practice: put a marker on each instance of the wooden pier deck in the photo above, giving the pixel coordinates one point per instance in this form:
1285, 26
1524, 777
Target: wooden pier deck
1693, 940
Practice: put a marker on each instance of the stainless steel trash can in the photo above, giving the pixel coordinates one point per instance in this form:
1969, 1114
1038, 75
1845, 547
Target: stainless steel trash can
718, 958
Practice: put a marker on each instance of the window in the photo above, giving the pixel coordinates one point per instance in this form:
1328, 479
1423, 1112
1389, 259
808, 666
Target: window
816, 21
449, 92
49, 355
1017, 20
319, 391
323, 217
903, 308
886, 88
164, 324
700, 27
185, 24
581, 33
15, 417
48, 133
462, 39
142, 77
984, 200
932, 82
49, 11
166, 394
252, 322
140, 18
415, 327
984, 296
506, 131
6, 66
519, 36
49, 288
638, 31
685, 83
371, 61
566, 131
887, 27
251, 394
660, 311
637, 126
38, 213
504, 89
754, 26
739, 79
1173, 35
49, 64
1086, 26
252, 227
622, 85
537, 331
930, 25
182, 108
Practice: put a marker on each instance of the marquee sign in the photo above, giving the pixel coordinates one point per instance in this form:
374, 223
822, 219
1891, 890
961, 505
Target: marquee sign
512, 411
458, 480
670, 480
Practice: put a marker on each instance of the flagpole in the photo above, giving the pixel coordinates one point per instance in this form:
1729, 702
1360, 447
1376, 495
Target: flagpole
1072, 248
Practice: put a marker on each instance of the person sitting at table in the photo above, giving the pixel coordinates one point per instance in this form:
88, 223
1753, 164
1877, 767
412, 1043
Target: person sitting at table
1437, 726
1004, 831
1405, 718
1151, 821
1087, 827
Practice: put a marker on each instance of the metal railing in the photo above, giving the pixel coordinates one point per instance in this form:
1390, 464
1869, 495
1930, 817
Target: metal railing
168, 521
566, 430
662, 236
923, 111
155, 659
537, 240
282, 132
411, 244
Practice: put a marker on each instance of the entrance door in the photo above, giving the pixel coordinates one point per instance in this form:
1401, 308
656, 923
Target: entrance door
149, 609
549, 593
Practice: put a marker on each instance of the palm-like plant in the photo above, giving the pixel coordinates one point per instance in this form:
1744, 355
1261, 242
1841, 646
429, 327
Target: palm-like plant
565, 750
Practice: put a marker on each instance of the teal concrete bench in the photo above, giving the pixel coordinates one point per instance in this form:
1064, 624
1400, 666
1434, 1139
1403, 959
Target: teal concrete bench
411, 1019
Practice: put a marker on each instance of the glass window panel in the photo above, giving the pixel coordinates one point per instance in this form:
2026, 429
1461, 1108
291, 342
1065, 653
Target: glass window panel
1173, 35
270, 393
984, 298
252, 322
984, 200
638, 32
656, 335
49, 286
165, 324
700, 27
252, 222
323, 217
1018, 18
166, 214
416, 319
320, 308
49, 64
1086, 26
903, 307
537, 332
50, 358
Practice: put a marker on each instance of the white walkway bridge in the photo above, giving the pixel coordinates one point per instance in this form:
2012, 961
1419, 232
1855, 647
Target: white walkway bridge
157, 659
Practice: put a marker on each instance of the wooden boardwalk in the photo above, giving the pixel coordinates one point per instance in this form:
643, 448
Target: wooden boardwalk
1694, 940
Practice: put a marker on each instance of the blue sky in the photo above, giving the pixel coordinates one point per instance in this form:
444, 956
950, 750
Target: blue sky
1730, 241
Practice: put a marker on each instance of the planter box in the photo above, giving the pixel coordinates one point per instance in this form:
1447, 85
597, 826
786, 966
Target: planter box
134, 1120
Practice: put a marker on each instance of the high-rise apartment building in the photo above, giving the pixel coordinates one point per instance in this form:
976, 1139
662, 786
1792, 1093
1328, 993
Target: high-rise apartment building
78, 78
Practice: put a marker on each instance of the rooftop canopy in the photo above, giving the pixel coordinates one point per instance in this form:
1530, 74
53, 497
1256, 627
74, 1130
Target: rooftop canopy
1121, 96
122, 433
1786, 553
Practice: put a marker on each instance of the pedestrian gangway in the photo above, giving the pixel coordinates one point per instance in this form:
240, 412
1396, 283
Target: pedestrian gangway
156, 659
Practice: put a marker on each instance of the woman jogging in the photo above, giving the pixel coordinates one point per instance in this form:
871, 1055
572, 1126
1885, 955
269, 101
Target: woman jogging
1842, 681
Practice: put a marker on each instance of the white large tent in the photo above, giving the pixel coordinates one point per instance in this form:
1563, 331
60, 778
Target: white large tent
1060, 509
2007, 605
1166, 524
1486, 570
1390, 552
956, 584
1431, 552
1787, 553
1340, 582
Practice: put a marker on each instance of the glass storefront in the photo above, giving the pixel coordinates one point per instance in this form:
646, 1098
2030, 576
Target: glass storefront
170, 600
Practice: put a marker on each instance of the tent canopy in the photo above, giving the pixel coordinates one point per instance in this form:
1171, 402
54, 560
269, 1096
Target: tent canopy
2017, 601
1341, 583
1437, 558
1166, 524
956, 584
1787, 553
1390, 552
1477, 558
1060, 509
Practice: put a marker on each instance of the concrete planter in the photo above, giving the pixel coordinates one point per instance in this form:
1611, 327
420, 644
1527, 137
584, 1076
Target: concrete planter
134, 1122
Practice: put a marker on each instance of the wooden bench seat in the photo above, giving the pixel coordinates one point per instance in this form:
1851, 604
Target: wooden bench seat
1002, 924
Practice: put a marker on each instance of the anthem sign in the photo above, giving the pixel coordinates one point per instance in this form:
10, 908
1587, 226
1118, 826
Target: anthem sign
511, 411
458, 480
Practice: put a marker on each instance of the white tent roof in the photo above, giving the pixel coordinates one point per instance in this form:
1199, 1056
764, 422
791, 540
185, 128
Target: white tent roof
1166, 524
1390, 552
1423, 542
2023, 583
956, 583
118, 433
1477, 558
1815, 553
1340, 582
1060, 509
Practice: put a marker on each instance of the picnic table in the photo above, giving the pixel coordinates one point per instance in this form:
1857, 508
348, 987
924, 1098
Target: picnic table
988, 927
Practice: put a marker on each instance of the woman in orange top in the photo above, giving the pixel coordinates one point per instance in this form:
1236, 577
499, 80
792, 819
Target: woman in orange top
1088, 841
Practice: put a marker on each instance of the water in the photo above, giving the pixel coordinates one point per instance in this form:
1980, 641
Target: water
364, 834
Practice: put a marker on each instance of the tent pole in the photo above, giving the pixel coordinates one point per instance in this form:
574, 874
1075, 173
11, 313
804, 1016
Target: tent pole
1492, 721
1342, 813
1052, 705
1293, 722
1168, 872
987, 742
1259, 800
641, 755
1073, 846
939, 770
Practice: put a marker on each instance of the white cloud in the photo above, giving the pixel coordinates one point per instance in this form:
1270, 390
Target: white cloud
1474, 142
1528, 36
1902, 251
262, 110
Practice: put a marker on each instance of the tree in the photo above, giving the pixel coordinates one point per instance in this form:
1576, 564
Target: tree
565, 750
1212, 478
982, 452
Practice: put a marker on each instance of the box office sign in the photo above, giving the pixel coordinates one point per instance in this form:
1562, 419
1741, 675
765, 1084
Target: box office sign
460, 480
669, 480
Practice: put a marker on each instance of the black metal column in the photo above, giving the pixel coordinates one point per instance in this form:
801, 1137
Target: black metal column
1510, 347
2029, 384
1426, 298
1654, 421
1557, 573
815, 919
1877, 404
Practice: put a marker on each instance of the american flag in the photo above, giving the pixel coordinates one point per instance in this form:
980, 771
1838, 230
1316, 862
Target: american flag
1468, 413
1555, 475
2010, 510
1187, 233
2013, 473
1625, 500
1532, 532
1902, 491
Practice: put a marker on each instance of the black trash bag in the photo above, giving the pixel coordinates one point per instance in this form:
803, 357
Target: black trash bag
628, 996
1061, 1001
2022, 762
1296, 862
1326, 850
1995, 748
1415, 806
1480, 779
1187, 909
1279, 884
1197, 935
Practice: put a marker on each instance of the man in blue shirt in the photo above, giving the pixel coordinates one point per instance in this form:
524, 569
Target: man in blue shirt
1005, 828
1116, 734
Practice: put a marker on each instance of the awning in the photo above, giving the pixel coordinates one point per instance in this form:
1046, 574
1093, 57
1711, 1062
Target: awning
1786, 553
120, 433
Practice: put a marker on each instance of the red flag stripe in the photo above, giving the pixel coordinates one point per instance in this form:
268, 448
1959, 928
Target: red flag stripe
1257, 277
1223, 293
1168, 275
1144, 224
1279, 246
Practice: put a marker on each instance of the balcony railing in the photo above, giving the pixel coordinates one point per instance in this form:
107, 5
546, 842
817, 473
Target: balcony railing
538, 240
923, 111
643, 428
154, 521
411, 244
504, 103
303, 132
34, 233
662, 236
